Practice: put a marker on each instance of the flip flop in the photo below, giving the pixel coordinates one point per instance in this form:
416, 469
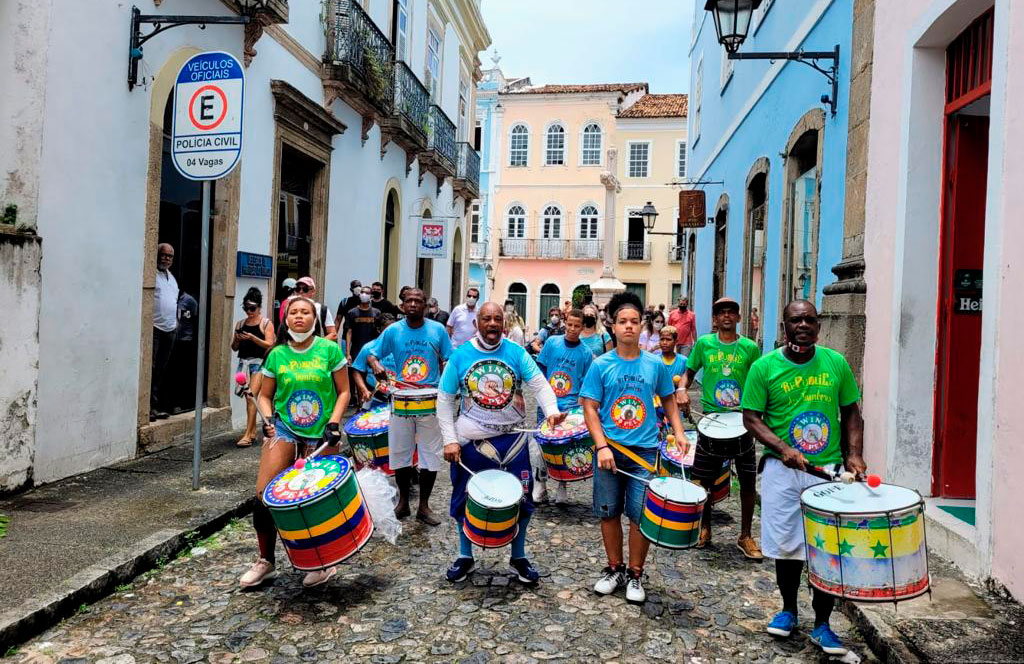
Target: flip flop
244, 442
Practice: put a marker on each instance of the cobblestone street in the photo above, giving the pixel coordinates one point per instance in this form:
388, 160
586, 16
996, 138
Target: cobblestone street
392, 604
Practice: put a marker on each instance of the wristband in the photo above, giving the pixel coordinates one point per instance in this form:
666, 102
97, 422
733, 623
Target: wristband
601, 447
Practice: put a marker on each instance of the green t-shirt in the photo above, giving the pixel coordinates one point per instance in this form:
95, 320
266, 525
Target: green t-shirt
305, 396
725, 370
800, 402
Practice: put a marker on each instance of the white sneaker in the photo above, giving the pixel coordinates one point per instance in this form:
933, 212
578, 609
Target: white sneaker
562, 494
635, 593
262, 570
540, 492
612, 580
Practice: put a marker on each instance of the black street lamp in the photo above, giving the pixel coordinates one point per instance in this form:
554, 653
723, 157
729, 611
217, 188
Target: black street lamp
650, 216
732, 23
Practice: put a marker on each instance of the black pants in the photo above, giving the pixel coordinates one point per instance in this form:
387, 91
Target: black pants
163, 345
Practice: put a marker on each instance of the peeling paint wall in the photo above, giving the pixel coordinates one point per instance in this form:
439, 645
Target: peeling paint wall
19, 356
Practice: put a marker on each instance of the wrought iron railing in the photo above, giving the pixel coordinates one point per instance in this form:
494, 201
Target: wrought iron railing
552, 248
441, 136
675, 253
412, 100
515, 247
469, 165
477, 250
635, 251
587, 249
355, 40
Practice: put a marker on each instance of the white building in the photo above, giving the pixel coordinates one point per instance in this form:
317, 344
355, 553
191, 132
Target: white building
357, 122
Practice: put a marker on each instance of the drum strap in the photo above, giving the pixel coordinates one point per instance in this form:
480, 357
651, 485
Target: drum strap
622, 449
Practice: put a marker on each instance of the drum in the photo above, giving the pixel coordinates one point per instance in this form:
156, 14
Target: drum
723, 434
414, 403
722, 484
319, 512
672, 512
492, 508
671, 459
864, 544
568, 449
367, 434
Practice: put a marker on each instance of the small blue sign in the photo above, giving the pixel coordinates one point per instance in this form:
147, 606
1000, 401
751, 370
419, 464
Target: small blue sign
257, 266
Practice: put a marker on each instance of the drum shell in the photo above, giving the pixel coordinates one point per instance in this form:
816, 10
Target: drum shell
404, 404
555, 451
372, 451
490, 527
670, 524
722, 485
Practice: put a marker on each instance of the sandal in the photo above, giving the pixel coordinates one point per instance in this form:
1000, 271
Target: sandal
244, 442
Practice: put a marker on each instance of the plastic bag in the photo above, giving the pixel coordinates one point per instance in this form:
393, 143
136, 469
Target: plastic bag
380, 497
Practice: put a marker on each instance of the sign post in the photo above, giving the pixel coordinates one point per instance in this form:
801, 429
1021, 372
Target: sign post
205, 145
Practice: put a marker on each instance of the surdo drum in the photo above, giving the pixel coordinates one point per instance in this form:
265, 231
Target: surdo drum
492, 508
414, 402
568, 449
672, 511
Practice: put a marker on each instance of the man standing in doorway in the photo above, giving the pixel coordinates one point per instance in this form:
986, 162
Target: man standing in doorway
462, 320
685, 323
165, 325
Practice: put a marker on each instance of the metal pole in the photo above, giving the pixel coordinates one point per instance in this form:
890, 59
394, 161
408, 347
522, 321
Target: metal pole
204, 264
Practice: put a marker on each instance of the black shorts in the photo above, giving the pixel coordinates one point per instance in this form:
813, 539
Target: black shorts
711, 455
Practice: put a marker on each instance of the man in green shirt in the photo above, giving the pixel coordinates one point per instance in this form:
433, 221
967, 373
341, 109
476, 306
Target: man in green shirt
726, 358
800, 401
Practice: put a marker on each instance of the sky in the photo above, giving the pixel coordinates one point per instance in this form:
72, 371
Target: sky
592, 41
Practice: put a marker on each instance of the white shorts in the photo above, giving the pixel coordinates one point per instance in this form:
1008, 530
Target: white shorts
782, 527
422, 434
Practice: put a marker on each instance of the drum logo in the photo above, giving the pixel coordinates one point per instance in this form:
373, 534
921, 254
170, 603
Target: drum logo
579, 459
809, 432
304, 408
727, 393
300, 484
628, 412
561, 383
491, 384
362, 453
415, 369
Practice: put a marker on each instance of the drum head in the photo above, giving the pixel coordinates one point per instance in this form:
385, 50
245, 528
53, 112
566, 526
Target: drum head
674, 454
370, 423
677, 490
495, 489
722, 425
300, 485
417, 393
859, 498
571, 428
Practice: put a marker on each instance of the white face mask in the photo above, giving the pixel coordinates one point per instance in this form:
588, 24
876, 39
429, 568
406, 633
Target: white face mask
299, 337
658, 326
471, 301
554, 320
364, 297
356, 291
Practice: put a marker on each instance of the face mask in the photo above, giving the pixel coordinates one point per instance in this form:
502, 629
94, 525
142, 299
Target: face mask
471, 301
682, 307
364, 297
797, 348
299, 337
377, 295
589, 321
356, 291
554, 320
658, 326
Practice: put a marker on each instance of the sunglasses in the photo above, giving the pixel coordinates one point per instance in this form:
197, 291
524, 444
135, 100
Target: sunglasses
302, 288
250, 307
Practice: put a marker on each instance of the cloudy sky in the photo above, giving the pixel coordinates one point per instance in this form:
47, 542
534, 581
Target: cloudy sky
592, 41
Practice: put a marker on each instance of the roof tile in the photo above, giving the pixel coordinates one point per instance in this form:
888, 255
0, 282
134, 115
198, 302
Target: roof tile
658, 106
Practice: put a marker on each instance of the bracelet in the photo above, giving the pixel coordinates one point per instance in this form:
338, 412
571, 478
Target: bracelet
601, 447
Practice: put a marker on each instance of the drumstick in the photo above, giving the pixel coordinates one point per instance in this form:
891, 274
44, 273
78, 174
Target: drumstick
467, 469
636, 477
243, 390
846, 477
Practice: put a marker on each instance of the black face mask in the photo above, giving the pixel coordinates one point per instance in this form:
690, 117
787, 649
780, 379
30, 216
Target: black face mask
589, 321
377, 295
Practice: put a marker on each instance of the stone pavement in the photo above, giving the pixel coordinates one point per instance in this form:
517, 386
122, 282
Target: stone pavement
392, 604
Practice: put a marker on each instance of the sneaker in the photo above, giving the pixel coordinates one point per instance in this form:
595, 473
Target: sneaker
460, 569
782, 624
526, 572
635, 593
262, 570
540, 492
613, 579
562, 494
319, 577
750, 548
826, 639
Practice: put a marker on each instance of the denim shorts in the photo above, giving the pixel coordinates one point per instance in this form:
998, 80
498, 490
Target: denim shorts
249, 366
615, 492
286, 435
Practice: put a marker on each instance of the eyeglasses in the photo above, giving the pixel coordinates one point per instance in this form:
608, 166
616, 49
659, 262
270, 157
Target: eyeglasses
250, 307
303, 288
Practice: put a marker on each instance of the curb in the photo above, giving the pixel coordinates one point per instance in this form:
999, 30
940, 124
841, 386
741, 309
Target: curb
95, 582
878, 635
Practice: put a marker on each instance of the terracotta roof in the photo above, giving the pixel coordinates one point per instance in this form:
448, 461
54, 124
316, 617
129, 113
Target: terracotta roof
624, 88
658, 106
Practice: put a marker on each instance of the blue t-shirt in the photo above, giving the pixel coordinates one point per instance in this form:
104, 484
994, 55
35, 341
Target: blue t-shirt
417, 352
596, 342
362, 362
565, 366
625, 390
678, 365
490, 383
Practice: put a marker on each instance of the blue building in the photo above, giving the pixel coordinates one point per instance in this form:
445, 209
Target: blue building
770, 156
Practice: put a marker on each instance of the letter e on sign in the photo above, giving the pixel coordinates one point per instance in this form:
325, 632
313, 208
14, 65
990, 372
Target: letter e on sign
206, 139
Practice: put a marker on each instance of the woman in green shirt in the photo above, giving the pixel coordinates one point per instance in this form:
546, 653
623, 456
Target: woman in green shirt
303, 396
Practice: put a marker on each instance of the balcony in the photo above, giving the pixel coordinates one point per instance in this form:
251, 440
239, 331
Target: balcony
479, 251
587, 249
550, 249
675, 253
440, 156
515, 247
467, 173
358, 65
635, 251
409, 121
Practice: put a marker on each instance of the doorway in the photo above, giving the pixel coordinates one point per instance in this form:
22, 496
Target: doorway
294, 216
800, 234
456, 289
754, 255
425, 267
635, 236
721, 249
389, 270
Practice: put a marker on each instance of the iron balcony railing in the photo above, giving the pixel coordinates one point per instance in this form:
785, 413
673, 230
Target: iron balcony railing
441, 136
356, 41
478, 250
469, 165
412, 101
675, 253
552, 248
635, 251
515, 247
587, 249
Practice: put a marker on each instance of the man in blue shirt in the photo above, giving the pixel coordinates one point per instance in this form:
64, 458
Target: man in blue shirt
365, 382
564, 360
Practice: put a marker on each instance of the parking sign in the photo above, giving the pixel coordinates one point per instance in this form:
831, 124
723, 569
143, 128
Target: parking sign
207, 136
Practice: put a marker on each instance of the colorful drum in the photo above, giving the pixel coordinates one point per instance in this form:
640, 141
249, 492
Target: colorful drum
367, 434
414, 403
319, 512
492, 508
568, 448
724, 434
672, 511
723, 483
673, 461
863, 544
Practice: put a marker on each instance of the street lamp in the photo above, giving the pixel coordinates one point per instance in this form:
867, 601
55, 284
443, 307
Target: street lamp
732, 22
650, 216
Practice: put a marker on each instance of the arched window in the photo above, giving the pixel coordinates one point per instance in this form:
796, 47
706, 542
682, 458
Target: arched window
552, 228
591, 145
517, 293
550, 295
586, 245
588, 223
519, 145
554, 155
516, 226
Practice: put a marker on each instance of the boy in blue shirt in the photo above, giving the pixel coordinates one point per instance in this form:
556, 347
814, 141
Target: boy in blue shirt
618, 404
365, 382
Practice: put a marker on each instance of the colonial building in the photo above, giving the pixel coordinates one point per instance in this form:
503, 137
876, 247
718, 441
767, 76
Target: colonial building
358, 119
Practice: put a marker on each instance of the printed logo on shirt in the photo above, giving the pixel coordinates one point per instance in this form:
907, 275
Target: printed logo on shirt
304, 408
727, 393
561, 383
491, 384
415, 369
628, 412
809, 432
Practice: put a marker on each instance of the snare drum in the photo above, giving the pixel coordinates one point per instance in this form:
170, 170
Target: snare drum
319, 512
367, 434
414, 402
568, 448
672, 512
671, 459
864, 544
723, 434
492, 508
